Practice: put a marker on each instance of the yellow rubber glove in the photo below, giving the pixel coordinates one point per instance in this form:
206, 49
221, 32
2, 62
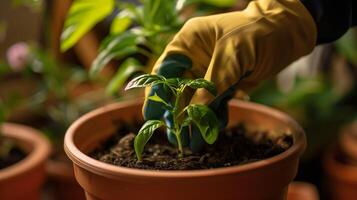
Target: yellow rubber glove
252, 45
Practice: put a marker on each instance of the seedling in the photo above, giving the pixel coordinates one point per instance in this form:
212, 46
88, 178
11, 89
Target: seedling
193, 114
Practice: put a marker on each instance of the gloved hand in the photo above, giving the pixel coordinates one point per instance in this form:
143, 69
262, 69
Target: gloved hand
236, 49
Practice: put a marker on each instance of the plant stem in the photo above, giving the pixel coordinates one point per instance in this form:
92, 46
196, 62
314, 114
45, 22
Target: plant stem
176, 123
179, 144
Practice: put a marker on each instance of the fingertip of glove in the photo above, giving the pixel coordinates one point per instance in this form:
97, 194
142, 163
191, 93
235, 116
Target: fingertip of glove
196, 142
174, 65
152, 110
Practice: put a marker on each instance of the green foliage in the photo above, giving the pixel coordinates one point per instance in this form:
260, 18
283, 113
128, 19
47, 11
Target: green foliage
2, 113
137, 29
202, 83
347, 45
206, 121
145, 80
83, 15
157, 98
4, 69
54, 94
198, 115
3, 28
6, 105
220, 3
144, 135
121, 22
114, 47
126, 69
35, 5
315, 104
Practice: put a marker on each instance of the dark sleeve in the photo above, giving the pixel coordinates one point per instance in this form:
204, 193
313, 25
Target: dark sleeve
332, 17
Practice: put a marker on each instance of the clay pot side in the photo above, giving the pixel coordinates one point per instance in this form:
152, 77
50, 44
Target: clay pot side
341, 177
302, 191
23, 180
262, 180
62, 182
348, 143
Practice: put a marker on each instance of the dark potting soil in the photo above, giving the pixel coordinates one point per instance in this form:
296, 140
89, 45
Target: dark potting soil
14, 155
231, 148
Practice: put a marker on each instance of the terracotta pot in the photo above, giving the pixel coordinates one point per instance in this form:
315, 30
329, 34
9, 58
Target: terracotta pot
302, 191
348, 143
341, 177
266, 179
62, 182
24, 179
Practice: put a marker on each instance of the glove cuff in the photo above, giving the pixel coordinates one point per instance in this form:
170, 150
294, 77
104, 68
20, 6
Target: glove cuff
333, 18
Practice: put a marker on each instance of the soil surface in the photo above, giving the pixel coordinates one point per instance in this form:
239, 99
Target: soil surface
15, 155
231, 148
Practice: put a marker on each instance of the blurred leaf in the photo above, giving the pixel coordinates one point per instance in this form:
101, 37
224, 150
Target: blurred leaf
126, 69
3, 28
220, 3
121, 22
2, 112
83, 15
114, 47
4, 69
134, 11
347, 45
160, 14
35, 5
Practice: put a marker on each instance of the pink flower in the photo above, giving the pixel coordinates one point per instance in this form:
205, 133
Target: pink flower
18, 56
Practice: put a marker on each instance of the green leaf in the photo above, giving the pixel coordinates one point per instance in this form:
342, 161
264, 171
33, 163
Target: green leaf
186, 122
136, 11
159, 13
157, 98
83, 15
174, 82
145, 80
121, 22
206, 121
220, 3
115, 47
126, 69
202, 83
144, 135
2, 113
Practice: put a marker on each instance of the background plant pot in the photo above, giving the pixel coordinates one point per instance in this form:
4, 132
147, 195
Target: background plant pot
341, 177
302, 191
267, 179
24, 179
348, 143
63, 185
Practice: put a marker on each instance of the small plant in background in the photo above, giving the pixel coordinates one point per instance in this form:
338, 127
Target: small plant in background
138, 32
7, 105
35, 5
5, 144
314, 103
53, 95
199, 115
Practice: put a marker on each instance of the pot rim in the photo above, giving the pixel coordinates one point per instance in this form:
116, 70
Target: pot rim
40, 149
112, 171
337, 169
347, 141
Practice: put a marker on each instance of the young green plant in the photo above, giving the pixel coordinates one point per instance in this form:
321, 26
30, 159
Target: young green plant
193, 114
